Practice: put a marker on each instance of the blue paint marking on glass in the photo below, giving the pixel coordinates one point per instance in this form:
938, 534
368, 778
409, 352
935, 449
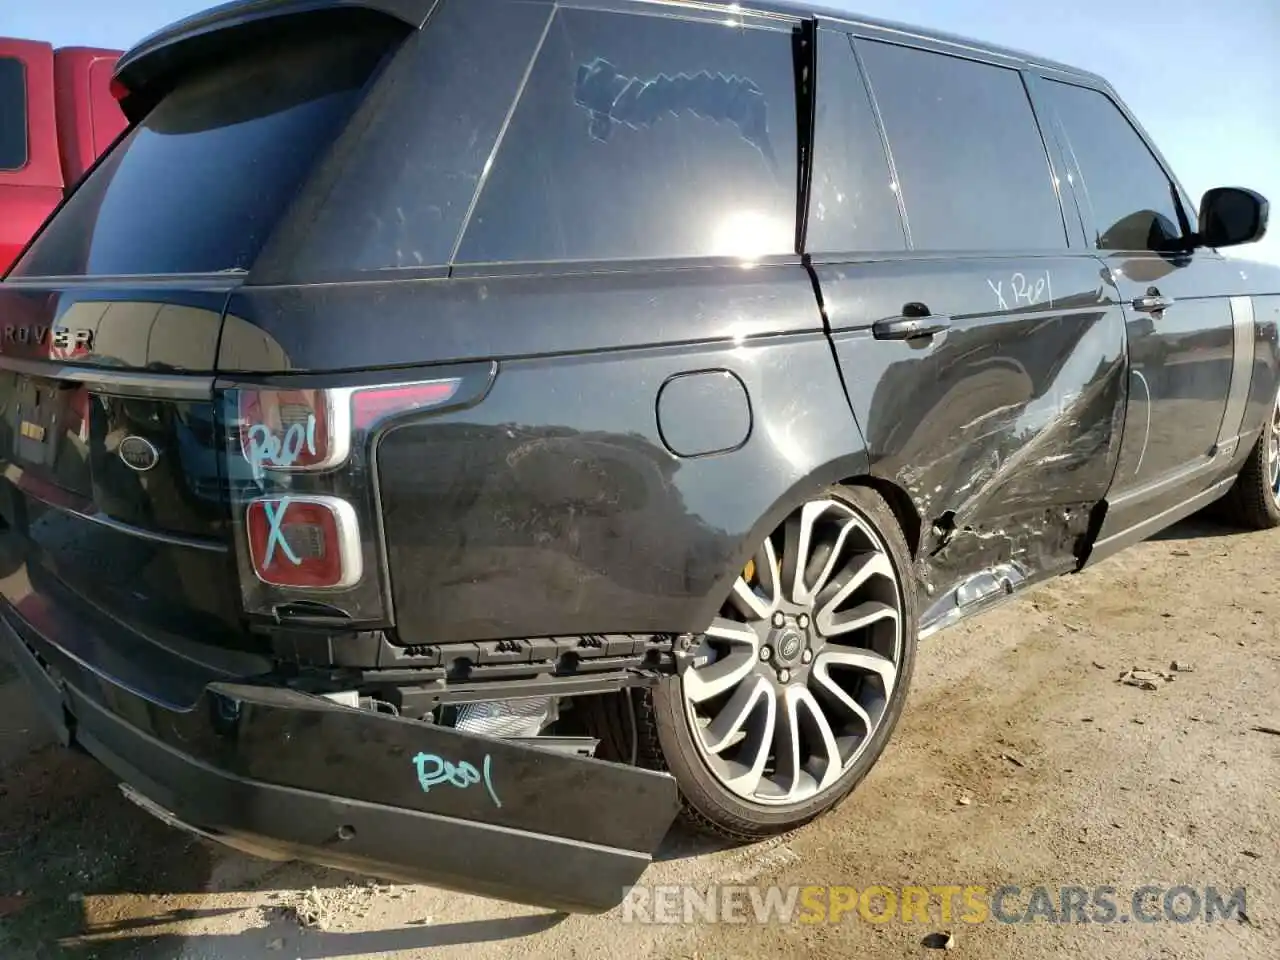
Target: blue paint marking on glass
434, 770
268, 450
275, 536
611, 98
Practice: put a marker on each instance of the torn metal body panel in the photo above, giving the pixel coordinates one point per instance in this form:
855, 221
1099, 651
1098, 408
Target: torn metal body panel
1005, 430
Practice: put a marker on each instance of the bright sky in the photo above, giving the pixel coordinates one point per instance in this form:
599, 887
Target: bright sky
1203, 76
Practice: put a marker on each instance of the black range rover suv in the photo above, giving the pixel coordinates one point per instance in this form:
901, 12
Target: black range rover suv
447, 438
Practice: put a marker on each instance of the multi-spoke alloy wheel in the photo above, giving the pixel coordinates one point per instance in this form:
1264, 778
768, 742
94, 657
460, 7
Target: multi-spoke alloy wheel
790, 683
1254, 499
788, 698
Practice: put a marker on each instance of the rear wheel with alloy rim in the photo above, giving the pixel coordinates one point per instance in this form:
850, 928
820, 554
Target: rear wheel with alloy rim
787, 700
1254, 499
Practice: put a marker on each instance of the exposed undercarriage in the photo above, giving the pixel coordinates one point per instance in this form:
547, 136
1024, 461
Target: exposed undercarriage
515, 689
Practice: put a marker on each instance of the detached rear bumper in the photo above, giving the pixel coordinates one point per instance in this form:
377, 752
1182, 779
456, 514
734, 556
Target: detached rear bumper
286, 775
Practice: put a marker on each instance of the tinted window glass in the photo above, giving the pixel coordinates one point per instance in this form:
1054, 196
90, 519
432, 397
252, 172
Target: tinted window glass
196, 187
970, 159
1131, 197
645, 136
13, 114
852, 206
402, 190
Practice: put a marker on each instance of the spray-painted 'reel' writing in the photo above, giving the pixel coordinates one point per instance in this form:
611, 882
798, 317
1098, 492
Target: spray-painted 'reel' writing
434, 770
267, 449
613, 98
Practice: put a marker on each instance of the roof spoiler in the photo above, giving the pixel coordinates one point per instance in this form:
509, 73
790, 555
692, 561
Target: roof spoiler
144, 67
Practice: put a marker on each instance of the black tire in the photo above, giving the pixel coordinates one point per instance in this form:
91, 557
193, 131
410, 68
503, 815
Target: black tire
653, 726
1252, 501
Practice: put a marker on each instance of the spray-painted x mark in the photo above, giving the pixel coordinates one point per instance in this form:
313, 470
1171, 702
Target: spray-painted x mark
275, 535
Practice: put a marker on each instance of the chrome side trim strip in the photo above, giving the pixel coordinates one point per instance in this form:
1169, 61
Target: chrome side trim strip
1166, 518
121, 383
1242, 326
1169, 480
1146, 436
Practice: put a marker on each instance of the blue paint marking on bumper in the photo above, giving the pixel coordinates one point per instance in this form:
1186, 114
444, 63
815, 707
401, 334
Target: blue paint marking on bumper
286, 775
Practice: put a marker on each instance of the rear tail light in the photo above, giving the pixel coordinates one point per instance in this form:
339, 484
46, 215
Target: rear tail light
292, 430
300, 481
304, 542
370, 405
305, 430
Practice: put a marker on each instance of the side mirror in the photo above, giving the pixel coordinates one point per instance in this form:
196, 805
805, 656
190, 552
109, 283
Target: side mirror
1230, 216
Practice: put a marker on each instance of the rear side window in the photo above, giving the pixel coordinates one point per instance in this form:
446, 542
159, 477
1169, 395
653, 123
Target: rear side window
13, 114
642, 136
1130, 194
199, 183
401, 184
971, 162
852, 204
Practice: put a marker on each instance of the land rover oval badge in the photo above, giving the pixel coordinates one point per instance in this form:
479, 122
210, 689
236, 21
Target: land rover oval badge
138, 453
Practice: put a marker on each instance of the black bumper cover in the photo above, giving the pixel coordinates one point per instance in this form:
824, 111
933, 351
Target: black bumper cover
285, 775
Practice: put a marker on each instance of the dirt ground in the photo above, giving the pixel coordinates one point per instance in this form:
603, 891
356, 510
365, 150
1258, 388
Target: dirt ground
1021, 759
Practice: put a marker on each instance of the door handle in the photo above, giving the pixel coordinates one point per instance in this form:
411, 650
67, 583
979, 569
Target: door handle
909, 328
1152, 303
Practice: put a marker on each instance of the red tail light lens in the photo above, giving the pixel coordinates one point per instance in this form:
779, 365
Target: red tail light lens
290, 430
308, 542
369, 405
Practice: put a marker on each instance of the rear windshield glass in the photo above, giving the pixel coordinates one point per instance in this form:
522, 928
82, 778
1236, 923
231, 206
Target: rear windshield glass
199, 183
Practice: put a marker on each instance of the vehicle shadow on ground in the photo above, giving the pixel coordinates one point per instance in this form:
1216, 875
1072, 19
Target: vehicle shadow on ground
170, 919
150, 935
131, 916
1199, 526
82, 930
683, 842
283, 938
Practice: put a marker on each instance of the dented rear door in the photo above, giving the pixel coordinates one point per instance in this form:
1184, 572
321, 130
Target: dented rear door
981, 344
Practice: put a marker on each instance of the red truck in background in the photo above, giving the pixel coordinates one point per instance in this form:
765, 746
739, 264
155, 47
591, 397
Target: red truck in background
57, 114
